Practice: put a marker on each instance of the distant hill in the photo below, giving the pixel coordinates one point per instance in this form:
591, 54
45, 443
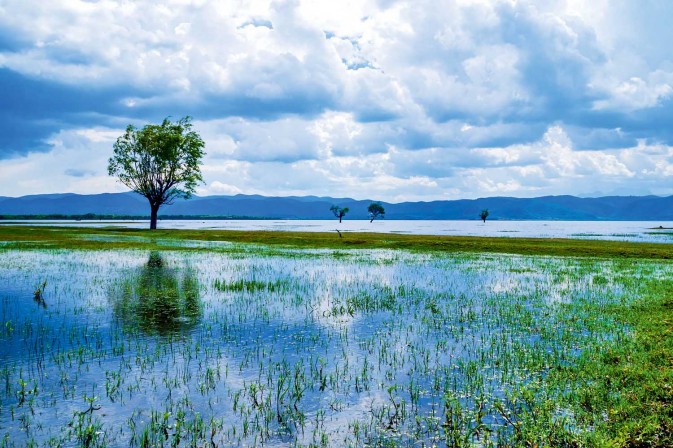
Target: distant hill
311, 207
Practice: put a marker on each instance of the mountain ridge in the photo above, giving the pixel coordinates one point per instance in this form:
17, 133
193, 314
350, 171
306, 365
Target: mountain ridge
559, 207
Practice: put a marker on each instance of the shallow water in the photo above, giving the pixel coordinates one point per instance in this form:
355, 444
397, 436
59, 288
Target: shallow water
605, 230
284, 348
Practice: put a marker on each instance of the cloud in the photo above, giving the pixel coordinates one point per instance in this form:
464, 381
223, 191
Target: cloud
550, 165
636, 93
73, 172
218, 187
34, 109
398, 99
76, 162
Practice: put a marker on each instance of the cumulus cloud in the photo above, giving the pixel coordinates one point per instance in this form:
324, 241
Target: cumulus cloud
635, 93
365, 98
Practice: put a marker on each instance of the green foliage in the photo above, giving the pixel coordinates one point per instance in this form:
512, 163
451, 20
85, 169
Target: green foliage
483, 215
339, 212
375, 210
160, 162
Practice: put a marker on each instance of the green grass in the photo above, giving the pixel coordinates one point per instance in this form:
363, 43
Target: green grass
24, 237
625, 392
641, 369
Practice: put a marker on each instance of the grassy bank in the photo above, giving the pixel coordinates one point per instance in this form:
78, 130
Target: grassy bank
120, 238
633, 381
624, 392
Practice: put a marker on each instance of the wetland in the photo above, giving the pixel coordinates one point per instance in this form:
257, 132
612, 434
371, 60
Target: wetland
116, 337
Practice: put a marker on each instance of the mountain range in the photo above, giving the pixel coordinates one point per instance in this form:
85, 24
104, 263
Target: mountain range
312, 207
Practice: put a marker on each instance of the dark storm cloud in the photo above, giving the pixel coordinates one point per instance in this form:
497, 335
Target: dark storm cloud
33, 109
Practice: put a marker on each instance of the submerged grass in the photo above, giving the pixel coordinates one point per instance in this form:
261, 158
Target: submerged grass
608, 383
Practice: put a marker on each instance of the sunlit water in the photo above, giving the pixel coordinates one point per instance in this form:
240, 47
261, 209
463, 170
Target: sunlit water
285, 347
649, 231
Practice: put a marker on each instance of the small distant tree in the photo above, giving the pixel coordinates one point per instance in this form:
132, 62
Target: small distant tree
338, 211
484, 214
376, 210
160, 162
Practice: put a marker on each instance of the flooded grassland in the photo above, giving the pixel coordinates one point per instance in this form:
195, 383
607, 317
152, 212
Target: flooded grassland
242, 345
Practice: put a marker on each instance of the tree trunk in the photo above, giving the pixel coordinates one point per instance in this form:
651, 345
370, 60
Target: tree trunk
372, 220
153, 216
340, 219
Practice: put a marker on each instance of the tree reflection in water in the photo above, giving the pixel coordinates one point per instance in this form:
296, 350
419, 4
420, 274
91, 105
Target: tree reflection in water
160, 299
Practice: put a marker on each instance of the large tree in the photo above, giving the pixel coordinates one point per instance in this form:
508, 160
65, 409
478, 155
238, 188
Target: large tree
160, 162
376, 210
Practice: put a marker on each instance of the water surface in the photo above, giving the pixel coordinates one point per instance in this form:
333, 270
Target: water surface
285, 347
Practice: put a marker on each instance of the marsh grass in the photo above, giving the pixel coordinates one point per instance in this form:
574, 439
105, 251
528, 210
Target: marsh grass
25, 237
632, 381
38, 294
308, 342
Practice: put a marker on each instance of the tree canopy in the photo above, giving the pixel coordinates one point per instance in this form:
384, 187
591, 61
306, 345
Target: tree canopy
376, 210
338, 211
484, 214
160, 162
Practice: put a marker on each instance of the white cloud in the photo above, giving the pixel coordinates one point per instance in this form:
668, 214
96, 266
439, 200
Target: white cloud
218, 187
396, 100
77, 163
548, 166
636, 93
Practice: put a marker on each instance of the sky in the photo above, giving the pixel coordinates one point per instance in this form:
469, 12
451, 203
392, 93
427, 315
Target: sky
371, 99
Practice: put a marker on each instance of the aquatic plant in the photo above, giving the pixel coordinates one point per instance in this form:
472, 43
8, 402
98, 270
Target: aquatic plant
38, 294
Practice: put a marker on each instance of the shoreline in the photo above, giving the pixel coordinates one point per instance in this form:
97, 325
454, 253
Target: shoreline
63, 237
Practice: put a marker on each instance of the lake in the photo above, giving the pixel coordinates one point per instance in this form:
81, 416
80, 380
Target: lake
644, 231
